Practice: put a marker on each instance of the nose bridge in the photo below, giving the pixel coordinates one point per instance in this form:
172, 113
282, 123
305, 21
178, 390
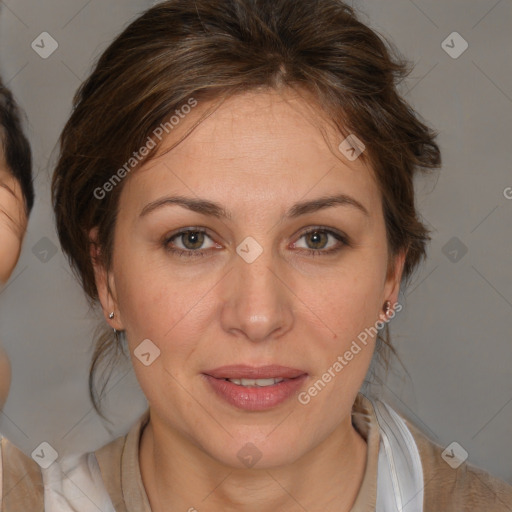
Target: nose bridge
257, 303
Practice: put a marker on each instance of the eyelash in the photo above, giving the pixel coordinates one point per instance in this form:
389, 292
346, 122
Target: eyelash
189, 253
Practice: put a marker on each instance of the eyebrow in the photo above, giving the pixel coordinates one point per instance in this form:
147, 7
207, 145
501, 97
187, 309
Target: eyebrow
214, 209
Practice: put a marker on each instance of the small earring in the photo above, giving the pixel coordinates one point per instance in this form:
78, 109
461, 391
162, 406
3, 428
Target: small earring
387, 307
112, 315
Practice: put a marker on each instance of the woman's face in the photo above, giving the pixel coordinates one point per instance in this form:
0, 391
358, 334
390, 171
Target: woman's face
249, 291
13, 220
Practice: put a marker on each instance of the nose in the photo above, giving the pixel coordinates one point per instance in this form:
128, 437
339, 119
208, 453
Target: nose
257, 301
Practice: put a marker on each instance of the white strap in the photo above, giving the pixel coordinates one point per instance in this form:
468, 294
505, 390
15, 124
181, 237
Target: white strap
75, 485
400, 473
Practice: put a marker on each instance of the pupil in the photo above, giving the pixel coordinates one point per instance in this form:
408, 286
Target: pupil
196, 239
316, 236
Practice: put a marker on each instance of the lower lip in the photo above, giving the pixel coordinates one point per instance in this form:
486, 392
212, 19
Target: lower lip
256, 398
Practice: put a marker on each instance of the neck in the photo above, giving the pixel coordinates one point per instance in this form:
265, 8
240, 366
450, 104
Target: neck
177, 475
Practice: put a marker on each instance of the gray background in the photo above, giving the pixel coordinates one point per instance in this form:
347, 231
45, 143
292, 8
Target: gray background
453, 334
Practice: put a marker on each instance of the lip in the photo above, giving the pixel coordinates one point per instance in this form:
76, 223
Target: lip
255, 398
255, 372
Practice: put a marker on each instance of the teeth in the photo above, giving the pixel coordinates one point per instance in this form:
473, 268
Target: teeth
255, 382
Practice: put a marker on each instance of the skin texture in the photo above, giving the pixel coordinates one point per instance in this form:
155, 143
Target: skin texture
13, 223
257, 155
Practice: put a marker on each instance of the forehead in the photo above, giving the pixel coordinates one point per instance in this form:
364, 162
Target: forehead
261, 145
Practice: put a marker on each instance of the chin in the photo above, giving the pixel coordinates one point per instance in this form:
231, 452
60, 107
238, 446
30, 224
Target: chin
242, 453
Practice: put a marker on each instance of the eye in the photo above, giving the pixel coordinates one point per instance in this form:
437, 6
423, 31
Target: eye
189, 243
322, 241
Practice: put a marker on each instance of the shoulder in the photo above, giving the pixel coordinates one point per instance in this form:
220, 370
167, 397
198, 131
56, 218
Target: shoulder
119, 465
22, 483
109, 459
462, 487
86, 482
70, 483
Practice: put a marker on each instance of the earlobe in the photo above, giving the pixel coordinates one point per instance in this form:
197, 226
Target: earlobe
394, 278
105, 284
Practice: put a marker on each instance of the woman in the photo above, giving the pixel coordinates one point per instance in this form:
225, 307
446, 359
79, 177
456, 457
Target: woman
235, 189
16, 201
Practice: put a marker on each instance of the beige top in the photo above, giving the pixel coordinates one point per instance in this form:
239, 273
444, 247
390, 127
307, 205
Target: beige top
463, 489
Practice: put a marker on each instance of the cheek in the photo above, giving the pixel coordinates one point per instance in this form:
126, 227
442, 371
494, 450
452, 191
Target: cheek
162, 306
152, 309
348, 299
9, 252
347, 306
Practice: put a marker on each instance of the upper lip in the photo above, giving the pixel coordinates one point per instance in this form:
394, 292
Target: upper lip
255, 372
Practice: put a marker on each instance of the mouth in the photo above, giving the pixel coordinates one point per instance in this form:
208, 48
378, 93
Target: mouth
258, 383
256, 373
255, 388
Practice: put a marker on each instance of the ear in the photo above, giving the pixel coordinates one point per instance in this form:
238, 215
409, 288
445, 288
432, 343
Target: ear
394, 278
105, 283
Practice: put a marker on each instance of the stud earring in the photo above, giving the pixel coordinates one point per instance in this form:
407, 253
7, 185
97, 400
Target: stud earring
112, 315
387, 307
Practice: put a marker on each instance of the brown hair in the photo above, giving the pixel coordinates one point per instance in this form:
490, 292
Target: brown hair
214, 49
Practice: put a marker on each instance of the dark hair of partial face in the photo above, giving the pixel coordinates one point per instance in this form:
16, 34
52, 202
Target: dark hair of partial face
15, 145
